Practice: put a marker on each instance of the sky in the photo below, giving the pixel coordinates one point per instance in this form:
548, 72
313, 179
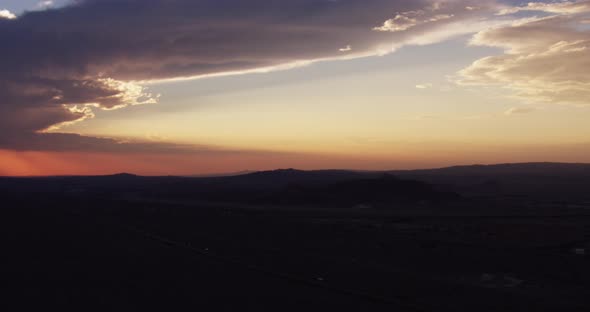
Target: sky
178, 87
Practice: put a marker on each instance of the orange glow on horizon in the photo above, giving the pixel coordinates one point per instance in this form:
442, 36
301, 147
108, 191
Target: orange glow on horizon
38, 163
15, 163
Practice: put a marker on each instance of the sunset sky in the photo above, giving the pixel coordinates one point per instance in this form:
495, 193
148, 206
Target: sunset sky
172, 87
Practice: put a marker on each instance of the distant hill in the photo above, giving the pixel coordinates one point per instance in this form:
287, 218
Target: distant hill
277, 187
283, 177
367, 191
506, 169
554, 181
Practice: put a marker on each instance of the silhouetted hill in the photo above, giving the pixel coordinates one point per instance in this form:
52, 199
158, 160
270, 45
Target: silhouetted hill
283, 186
558, 181
544, 169
367, 192
290, 186
123, 175
283, 177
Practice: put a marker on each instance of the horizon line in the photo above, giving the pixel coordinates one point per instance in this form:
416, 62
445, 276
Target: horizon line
246, 172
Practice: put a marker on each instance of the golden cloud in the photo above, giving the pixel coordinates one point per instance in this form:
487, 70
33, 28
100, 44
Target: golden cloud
545, 59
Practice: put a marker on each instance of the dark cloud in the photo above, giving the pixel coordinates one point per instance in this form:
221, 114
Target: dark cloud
58, 64
71, 142
156, 39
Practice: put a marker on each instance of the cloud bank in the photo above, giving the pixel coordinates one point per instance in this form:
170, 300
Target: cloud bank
59, 65
546, 59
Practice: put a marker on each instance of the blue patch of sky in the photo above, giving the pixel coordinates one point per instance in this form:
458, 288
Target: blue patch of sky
452, 51
20, 6
184, 95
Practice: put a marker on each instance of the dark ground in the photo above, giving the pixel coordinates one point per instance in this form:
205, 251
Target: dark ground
131, 243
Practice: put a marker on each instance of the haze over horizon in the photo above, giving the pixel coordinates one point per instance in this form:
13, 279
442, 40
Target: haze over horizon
158, 87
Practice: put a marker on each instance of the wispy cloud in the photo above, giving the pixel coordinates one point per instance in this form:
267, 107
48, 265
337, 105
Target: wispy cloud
562, 7
347, 48
400, 22
545, 59
406, 20
519, 110
45, 4
424, 86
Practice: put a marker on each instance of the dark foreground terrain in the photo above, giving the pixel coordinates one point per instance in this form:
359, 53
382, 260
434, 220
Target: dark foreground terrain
458, 239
